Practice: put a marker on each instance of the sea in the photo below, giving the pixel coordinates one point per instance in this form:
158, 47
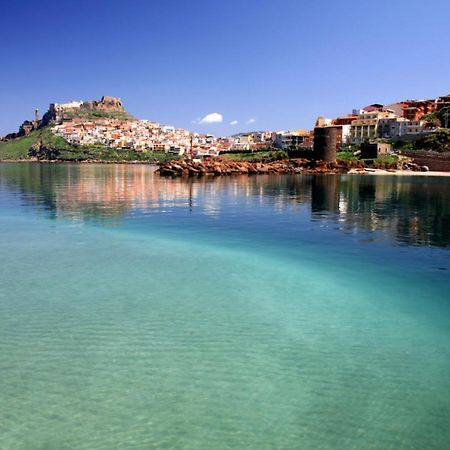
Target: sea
240, 312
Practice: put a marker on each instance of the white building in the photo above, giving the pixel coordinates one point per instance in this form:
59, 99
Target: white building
397, 127
366, 126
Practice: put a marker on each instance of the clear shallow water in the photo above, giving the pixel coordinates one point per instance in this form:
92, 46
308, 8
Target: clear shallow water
248, 312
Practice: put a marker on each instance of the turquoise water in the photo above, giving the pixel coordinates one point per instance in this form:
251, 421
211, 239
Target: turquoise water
269, 312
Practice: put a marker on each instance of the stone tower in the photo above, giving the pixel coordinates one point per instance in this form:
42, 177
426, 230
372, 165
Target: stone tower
327, 140
36, 119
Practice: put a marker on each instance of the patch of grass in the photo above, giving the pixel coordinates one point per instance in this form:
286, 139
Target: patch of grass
386, 162
387, 159
244, 156
18, 148
346, 156
92, 114
269, 155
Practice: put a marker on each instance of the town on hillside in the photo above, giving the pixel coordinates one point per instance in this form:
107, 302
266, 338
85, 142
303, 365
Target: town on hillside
107, 123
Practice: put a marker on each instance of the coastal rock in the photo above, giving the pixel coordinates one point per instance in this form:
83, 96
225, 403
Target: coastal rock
42, 152
221, 166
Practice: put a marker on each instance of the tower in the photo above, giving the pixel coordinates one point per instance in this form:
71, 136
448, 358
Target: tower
36, 119
326, 142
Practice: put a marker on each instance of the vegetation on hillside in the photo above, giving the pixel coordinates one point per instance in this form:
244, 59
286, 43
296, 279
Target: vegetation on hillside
18, 148
92, 114
45, 145
439, 118
438, 141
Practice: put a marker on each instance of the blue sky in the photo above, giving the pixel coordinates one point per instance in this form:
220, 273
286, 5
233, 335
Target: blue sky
264, 64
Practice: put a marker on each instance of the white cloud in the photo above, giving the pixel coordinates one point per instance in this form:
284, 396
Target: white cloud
252, 120
212, 118
234, 122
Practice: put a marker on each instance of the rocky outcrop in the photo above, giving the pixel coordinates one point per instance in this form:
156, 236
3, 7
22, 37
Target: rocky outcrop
110, 104
107, 103
25, 129
49, 117
222, 166
43, 152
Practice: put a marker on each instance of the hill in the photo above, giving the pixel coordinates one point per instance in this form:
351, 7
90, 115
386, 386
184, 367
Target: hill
105, 108
36, 140
44, 145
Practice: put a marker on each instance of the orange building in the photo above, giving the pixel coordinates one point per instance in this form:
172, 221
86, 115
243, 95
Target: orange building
345, 120
415, 109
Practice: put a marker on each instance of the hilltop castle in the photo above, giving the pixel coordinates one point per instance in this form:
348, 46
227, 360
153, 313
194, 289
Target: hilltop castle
57, 111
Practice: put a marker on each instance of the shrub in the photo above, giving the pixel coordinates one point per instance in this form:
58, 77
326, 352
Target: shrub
438, 141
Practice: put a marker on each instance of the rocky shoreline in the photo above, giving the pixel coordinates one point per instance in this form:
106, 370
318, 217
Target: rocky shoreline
221, 166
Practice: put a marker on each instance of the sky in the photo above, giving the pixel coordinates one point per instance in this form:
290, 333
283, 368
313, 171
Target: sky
222, 67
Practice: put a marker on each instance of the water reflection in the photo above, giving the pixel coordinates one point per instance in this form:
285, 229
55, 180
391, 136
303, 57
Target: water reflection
412, 210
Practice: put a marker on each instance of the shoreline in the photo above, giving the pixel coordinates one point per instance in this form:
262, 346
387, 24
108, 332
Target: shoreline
381, 172
224, 167
249, 168
52, 161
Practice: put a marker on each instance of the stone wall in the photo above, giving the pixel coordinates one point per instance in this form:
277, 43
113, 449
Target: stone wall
434, 161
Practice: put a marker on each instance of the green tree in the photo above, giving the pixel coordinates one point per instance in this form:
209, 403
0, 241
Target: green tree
432, 120
438, 141
444, 116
